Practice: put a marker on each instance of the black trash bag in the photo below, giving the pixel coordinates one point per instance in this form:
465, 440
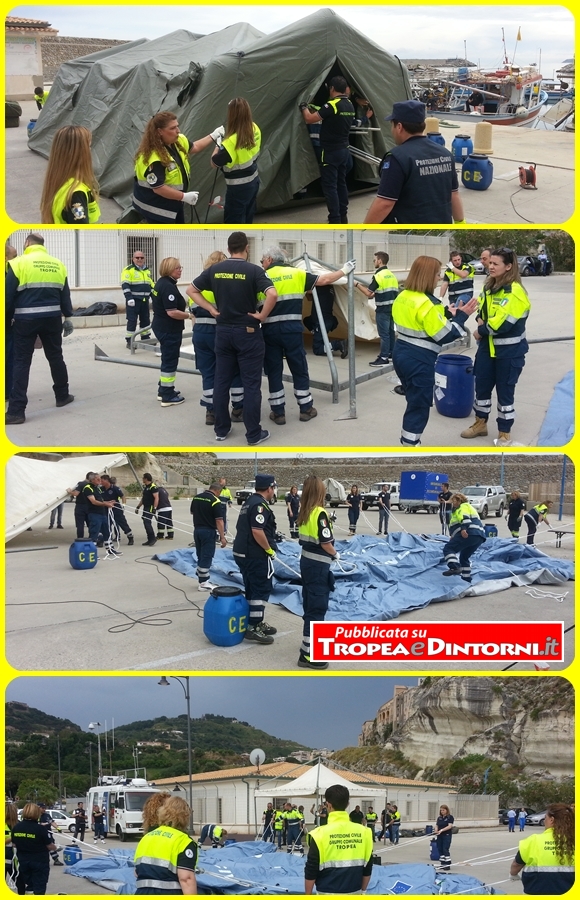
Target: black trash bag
97, 309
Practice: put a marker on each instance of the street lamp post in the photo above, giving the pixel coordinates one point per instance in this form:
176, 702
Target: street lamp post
184, 682
92, 726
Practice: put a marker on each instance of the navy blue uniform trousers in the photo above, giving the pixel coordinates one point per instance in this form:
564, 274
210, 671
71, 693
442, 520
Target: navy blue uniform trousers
416, 369
280, 344
501, 374
333, 169
238, 350
204, 345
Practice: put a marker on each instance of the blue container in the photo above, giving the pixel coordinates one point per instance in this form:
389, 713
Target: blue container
490, 531
477, 172
225, 616
437, 138
30, 126
424, 486
83, 555
454, 385
461, 148
72, 855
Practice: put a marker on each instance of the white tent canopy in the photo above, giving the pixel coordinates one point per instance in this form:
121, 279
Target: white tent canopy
35, 486
314, 783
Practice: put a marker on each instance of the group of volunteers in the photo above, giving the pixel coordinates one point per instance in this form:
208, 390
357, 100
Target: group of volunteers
418, 179
248, 321
340, 847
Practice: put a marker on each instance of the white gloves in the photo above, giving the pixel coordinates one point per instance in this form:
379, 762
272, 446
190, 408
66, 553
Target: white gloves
130, 303
517, 877
336, 557
67, 327
191, 197
349, 266
218, 133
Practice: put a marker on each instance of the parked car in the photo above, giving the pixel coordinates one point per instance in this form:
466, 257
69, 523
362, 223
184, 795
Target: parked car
246, 492
531, 265
477, 265
536, 818
486, 498
371, 497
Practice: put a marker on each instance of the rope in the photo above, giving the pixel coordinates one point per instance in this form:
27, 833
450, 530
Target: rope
478, 887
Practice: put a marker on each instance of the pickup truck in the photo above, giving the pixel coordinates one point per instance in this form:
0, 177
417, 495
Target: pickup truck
247, 491
370, 497
486, 498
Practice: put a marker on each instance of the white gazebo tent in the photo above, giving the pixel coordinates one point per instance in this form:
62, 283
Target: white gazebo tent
313, 784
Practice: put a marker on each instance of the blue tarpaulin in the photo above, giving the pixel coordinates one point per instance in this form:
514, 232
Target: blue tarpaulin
558, 425
386, 577
254, 867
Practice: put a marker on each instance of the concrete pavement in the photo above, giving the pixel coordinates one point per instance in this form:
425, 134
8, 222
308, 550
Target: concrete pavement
131, 613
504, 201
115, 405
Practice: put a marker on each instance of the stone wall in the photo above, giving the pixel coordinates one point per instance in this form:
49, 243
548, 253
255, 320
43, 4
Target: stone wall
520, 470
58, 50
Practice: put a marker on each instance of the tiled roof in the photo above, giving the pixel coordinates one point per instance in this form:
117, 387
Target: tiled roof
16, 23
291, 771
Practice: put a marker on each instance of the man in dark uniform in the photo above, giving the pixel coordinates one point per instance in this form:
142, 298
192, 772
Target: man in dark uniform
254, 550
418, 178
164, 515
283, 331
208, 517
445, 508
47, 820
37, 296
326, 297
384, 287
239, 346
98, 508
80, 816
81, 506
112, 492
336, 118
384, 501
149, 501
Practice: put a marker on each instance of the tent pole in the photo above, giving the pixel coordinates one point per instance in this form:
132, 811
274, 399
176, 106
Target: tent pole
327, 347
351, 335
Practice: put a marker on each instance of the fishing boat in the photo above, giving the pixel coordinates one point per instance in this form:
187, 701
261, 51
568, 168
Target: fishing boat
512, 95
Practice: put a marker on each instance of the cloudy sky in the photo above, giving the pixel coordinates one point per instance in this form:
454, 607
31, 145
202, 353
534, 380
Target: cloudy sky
325, 711
423, 32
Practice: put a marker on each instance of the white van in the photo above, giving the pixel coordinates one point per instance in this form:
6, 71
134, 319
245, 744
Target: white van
122, 802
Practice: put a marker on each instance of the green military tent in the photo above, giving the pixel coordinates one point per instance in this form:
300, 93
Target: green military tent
196, 77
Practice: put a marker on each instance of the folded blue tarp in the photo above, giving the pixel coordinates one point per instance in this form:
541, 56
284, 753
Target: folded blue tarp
254, 867
386, 577
558, 425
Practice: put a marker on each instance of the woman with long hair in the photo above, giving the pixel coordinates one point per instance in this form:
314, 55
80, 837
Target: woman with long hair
443, 832
33, 843
353, 500
166, 856
516, 509
317, 543
161, 184
203, 338
424, 326
70, 193
237, 157
504, 307
547, 859
169, 315
151, 810
466, 535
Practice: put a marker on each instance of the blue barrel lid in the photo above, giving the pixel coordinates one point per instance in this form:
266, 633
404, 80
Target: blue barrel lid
226, 591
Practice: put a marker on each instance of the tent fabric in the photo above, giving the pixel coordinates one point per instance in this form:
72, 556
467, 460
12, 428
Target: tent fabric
254, 867
35, 486
558, 425
196, 77
384, 578
314, 782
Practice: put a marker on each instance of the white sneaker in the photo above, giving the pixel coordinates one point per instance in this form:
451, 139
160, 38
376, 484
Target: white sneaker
206, 586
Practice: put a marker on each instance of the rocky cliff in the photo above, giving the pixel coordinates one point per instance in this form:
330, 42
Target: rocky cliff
526, 723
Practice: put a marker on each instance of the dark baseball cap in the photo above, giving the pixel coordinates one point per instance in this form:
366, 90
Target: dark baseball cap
41, 805
263, 482
411, 111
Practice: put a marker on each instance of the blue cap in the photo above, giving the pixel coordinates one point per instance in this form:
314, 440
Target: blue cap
263, 482
411, 111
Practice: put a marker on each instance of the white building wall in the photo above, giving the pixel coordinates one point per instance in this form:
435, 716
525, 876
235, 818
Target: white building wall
23, 66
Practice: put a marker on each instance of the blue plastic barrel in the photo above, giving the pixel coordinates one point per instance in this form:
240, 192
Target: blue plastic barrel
72, 855
30, 126
225, 616
437, 138
83, 554
490, 531
461, 148
477, 172
454, 385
